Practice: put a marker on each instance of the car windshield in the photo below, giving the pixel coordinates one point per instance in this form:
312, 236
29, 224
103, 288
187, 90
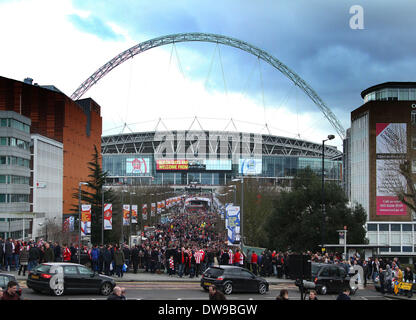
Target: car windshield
44, 268
214, 272
315, 269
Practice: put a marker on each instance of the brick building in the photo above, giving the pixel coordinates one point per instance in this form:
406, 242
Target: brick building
75, 124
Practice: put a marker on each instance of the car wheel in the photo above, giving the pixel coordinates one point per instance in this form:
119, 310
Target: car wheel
323, 290
58, 291
262, 288
106, 289
228, 288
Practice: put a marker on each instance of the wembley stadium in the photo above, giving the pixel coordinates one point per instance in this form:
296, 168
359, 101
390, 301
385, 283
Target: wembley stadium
180, 158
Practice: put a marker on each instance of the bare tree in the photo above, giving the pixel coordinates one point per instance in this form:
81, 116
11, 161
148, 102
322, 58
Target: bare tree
394, 165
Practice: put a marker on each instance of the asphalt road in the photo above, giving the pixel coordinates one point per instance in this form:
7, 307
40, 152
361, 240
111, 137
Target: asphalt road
192, 291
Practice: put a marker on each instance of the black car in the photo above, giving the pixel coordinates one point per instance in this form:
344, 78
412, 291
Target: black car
233, 279
5, 278
60, 277
327, 278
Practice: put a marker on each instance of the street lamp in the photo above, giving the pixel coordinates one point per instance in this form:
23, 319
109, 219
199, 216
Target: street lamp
79, 219
330, 137
241, 209
234, 189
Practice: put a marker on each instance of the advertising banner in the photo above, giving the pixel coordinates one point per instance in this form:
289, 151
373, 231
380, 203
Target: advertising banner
391, 149
173, 165
388, 179
108, 216
159, 207
232, 223
249, 167
85, 219
137, 165
144, 211
71, 224
153, 210
134, 213
126, 214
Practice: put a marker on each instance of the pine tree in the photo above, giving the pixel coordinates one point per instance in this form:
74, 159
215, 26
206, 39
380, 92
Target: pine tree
92, 194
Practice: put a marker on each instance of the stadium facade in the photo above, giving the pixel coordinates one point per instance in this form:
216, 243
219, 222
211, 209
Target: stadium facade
212, 158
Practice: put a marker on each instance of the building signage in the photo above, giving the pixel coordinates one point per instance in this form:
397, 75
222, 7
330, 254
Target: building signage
172, 165
250, 166
137, 165
391, 148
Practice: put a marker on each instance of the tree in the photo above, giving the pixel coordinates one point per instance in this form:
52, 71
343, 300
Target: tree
394, 164
92, 194
296, 220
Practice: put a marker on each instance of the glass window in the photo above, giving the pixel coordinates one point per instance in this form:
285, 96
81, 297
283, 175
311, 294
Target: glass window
412, 94
396, 249
3, 179
334, 272
392, 94
413, 116
3, 160
406, 227
324, 272
246, 274
84, 270
404, 94
383, 227
407, 249
43, 268
395, 227
384, 250
3, 141
70, 270
2, 198
372, 227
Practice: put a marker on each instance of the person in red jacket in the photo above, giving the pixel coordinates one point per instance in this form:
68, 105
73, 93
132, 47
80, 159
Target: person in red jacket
66, 254
237, 258
254, 262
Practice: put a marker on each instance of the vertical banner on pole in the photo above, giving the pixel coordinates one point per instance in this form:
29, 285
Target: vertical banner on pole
144, 211
108, 216
159, 207
163, 205
85, 219
134, 213
153, 210
71, 224
126, 214
233, 224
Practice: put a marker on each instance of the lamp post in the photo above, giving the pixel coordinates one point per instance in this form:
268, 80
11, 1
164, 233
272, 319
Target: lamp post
330, 137
102, 213
234, 189
79, 219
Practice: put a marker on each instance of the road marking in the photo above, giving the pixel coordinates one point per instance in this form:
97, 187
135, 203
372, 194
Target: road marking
364, 298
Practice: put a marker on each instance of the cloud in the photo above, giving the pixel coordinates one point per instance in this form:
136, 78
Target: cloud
96, 26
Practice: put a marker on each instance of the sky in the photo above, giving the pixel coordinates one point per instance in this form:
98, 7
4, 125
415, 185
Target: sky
63, 42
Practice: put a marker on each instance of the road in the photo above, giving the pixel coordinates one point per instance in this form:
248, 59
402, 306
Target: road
192, 291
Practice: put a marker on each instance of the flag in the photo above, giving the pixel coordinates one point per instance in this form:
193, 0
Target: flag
153, 209
108, 216
126, 214
144, 211
85, 219
134, 213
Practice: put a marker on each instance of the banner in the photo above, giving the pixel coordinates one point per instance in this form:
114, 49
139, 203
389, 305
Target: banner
134, 213
71, 224
144, 211
232, 224
153, 209
137, 165
85, 219
250, 166
126, 214
175, 165
108, 216
391, 148
159, 207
